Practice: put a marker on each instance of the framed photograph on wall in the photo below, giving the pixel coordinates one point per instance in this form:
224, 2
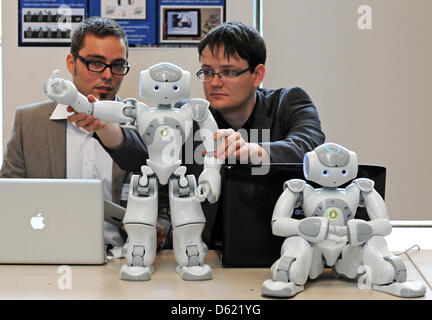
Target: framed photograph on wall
186, 23
183, 22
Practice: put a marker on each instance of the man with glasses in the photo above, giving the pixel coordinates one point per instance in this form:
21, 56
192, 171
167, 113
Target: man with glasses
44, 145
232, 68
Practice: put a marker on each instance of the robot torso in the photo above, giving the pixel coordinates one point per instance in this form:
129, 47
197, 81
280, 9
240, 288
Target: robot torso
164, 131
338, 206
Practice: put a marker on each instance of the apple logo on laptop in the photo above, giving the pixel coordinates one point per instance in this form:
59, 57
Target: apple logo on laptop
37, 222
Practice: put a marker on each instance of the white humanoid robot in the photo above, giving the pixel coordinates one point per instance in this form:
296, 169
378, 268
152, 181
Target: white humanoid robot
163, 129
329, 234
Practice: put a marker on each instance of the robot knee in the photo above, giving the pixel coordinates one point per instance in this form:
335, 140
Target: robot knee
385, 267
142, 205
185, 209
295, 246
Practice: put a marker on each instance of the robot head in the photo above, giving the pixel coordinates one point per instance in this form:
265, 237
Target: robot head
330, 165
164, 83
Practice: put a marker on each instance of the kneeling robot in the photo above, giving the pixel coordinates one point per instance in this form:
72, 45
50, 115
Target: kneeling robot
329, 234
164, 130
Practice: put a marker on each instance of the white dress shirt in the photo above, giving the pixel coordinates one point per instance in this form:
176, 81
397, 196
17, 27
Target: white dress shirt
86, 159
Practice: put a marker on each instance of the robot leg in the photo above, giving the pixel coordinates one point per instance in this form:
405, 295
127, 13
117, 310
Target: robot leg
140, 224
188, 222
291, 271
350, 262
388, 273
318, 263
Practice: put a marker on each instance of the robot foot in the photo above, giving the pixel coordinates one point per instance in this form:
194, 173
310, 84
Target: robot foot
407, 289
132, 273
195, 273
280, 289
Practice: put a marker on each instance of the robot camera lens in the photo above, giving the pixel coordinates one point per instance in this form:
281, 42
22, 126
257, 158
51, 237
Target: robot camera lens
155, 87
175, 88
344, 172
325, 173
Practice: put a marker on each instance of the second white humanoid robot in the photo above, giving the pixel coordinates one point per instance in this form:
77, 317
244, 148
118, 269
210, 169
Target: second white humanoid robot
330, 234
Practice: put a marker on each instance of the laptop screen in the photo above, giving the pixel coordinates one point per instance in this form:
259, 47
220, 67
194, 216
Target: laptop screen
52, 221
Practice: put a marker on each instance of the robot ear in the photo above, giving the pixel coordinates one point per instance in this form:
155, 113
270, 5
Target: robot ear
354, 163
306, 166
353, 157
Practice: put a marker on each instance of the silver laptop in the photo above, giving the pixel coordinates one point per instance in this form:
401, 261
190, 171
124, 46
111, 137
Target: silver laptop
51, 221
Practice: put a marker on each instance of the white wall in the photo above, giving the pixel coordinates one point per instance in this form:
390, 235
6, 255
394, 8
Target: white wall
371, 88
25, 69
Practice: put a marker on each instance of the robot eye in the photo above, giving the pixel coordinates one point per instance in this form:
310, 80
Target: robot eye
344, 172
325, 172
155, 87
175, 88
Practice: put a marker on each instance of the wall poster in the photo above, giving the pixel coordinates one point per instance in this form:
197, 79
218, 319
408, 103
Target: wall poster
183, 22
49, 22
147, 23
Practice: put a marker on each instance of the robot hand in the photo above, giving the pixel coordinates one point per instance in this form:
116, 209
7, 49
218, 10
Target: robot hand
209, 183
202, 191
64, 92
359, 231
314, 229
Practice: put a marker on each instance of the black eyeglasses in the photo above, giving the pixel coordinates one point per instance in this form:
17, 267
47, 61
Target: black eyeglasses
207, 75
118, 68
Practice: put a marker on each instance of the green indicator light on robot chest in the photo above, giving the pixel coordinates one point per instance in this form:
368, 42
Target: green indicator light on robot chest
164, 132
333, 214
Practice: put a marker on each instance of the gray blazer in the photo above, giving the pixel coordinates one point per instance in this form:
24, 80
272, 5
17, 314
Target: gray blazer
37, 147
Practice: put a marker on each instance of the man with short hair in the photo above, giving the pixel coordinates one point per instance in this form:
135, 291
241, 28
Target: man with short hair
44, 145
232, 68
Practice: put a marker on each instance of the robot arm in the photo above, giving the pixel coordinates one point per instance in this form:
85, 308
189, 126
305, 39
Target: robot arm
210, 179
64, 92
360, 231
313, 229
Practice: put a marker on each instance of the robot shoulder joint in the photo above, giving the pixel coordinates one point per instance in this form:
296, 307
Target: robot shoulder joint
295, 185
199, 108
365, 185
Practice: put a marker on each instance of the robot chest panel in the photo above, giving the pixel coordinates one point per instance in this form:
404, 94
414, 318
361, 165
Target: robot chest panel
164, 130
336, 210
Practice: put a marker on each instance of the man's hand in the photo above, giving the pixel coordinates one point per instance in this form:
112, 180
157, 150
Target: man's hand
87, 122
109, 133
232, 145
